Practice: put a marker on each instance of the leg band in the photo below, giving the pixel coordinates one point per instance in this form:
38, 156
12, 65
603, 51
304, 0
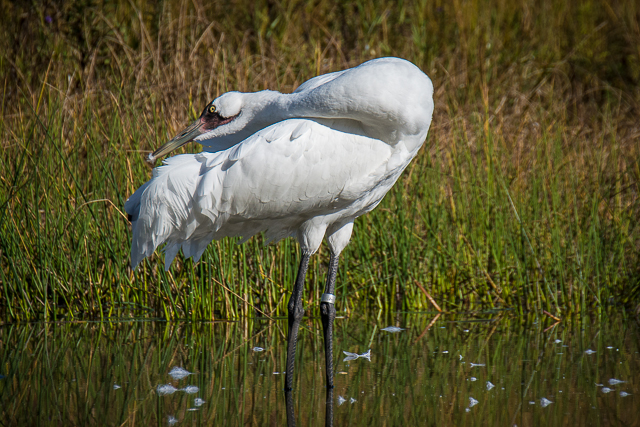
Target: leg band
328, 298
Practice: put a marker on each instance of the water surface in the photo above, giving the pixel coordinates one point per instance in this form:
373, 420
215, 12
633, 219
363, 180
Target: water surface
475, 369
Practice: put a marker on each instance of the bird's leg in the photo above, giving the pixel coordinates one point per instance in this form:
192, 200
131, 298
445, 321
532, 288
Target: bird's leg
295, 316
328, 314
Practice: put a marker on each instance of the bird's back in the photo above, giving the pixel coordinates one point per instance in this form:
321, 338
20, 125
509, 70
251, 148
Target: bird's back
390, 97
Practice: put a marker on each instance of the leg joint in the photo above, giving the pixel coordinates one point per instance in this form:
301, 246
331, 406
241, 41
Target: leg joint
296, 313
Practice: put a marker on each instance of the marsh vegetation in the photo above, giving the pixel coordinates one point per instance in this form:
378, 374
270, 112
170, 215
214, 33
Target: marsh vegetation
525, 196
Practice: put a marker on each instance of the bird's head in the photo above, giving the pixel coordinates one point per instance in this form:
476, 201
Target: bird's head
219, 117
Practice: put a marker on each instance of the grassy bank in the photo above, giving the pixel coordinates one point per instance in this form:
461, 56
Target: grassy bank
526, 194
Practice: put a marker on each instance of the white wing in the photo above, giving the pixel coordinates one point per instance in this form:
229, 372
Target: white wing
273, 182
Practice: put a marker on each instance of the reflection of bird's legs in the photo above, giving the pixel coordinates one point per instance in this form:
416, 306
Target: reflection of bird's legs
295, 316
328, 314
328, 418
291, 414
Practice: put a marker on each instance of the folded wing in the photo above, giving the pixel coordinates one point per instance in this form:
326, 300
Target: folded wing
271, 182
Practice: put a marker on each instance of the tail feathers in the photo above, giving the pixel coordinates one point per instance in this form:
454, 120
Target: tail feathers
172, 206
193, 248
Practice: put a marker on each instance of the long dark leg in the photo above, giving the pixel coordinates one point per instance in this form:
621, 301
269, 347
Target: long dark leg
328, 314
295, 316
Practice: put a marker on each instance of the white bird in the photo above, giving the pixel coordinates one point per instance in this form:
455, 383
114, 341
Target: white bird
304, 165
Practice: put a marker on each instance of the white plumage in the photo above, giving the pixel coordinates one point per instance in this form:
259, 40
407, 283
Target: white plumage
304, 164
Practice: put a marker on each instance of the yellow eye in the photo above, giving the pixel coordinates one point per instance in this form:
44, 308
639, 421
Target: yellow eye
212, 109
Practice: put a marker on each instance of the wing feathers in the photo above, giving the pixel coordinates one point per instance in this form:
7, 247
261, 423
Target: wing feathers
272, 182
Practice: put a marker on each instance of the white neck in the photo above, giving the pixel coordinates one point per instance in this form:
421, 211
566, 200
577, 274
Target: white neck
389, 105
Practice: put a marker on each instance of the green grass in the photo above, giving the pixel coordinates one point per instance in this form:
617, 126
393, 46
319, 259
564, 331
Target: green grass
526, 194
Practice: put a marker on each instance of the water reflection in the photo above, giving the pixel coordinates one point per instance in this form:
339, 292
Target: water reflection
178, 373
354, 356
290, 399
492, 369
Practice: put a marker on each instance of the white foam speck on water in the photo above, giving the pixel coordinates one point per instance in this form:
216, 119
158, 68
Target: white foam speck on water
614, 381
178, 373
354, 356
392, 329
350, 356
166, 389
624, 394
606, 390
191, 389
257, 349
544, 402
489, 385
367, 355
198, 401
589, 351
341, 400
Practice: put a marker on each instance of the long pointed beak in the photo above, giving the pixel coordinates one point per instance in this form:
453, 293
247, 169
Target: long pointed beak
187, 135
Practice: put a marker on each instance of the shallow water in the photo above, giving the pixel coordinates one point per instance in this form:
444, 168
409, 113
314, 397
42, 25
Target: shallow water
482, 369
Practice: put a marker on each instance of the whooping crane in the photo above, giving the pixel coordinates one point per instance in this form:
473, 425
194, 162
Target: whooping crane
304, 165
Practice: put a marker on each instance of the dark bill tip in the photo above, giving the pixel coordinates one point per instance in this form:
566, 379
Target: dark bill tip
187, 135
